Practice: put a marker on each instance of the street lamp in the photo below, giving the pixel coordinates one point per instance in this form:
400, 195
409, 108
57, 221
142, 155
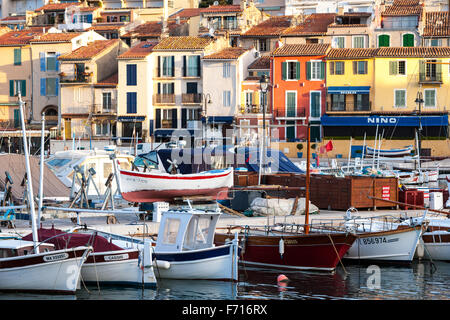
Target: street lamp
419, 101
264, 85
207, 99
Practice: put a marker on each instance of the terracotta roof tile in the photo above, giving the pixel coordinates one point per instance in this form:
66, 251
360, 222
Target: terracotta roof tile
416, 52
404, 8
436, 24
186, 13
301, 50
262, 63
22, 37
110, 81
183, 43
274, 26
351, 53
227, 53
13, 18
150, 29
139, 51
57, 6
56, 37
226, 8
106, 26
89, 51
316, 23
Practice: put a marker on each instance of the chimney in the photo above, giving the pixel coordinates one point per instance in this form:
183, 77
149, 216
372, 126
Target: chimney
244, 4
164, 29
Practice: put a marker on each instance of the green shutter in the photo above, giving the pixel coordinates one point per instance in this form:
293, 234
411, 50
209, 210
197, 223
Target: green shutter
384, 40
284, 70
308, 70
393, 67
17, 57
322, 70
408, 40
11, 88
297, 70
23, 88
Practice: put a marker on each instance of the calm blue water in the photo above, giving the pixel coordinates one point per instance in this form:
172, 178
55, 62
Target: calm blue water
409, 282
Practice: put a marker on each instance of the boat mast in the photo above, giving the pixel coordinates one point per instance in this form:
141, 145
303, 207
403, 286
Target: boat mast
29, 176
41, 170
308, 154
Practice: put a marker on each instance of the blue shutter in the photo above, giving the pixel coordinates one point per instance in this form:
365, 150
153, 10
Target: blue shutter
89, 18
43, 84
56, 86
57, 61
42, 59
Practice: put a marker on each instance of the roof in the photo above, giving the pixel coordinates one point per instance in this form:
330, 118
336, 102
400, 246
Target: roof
301, 50
110, 81
316, 23
436, 24
56, 37
260, 63
274, 26
13, 18
150, 29
414, 52
186, 13
218, 9
183, 43
404, 8
17, 38
106, 26
351, 53
89, 51
139, 51
227, 53
57, 6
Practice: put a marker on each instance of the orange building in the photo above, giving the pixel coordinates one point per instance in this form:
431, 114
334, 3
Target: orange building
299, 91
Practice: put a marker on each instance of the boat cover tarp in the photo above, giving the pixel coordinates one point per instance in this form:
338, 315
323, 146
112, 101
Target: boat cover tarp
202, 159
72, 240
15, 165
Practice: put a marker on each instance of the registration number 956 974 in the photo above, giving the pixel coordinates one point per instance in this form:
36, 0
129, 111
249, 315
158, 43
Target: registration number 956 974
374, 240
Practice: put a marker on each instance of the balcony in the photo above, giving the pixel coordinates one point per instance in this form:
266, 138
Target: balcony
167, 124
283, 115
165, 98
108, 108
251, 108
76, 110
82, 77
430, 77
191, 98
348, 107
191, 72
165, 73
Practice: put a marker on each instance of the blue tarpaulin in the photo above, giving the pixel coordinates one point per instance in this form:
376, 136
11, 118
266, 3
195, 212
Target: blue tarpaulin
374, 120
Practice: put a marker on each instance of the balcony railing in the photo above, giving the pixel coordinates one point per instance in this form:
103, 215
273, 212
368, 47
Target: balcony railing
348, 106
251, 108
191, 72
165, 98
434, 77
165, 73
106, 108
84, 77
191, 98
76, 110
283, 114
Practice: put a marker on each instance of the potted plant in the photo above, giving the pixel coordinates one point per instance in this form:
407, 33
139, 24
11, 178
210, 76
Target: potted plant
300, 147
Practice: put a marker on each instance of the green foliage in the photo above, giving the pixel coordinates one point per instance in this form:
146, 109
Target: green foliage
299, 146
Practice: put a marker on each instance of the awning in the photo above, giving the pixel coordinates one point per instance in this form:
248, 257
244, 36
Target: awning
130, 118
401, 121
170, 132
219, 119
348, 90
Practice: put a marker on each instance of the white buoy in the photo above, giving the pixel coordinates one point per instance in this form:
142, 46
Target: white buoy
281, 247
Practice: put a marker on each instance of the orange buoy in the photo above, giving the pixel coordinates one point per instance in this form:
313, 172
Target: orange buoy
282, 278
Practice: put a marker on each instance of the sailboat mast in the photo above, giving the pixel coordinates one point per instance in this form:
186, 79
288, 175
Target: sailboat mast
308, 154
29, 177
41, 170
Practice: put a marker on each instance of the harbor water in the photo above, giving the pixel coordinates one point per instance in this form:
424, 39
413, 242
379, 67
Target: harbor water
420, 280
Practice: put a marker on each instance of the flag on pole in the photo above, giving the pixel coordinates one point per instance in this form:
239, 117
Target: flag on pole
329, 146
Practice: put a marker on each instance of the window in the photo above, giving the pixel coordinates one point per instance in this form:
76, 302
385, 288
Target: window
106, 101
226, 69
249, 98
337, 67
124, 18
17, 85
435, 42
384, 40
51, 61
192, 66
291, 103
51, 86
131, 102
408, 40
262, 45
168, 66
359, 42
263, 99
17, 56
290, 70
227, 98
171, 231
400, 98
338, 42
430, 97
338, 102
131, 74
314, 104
315, 70
397, 67
361, 101
102, 129
359, 67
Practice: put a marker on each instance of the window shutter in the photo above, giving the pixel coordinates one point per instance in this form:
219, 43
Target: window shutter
158, 118
57, 86
89, 18
183, 118
366, 67
43, 86
284, 70
199, 69
17, 57
57, 61
11, 88
159, 66
322, 70
308, 70
23, 88
184, 66
331, 68
297, 70
355, 67
438, 67
174, 118
392, 67
42, 60
172, 71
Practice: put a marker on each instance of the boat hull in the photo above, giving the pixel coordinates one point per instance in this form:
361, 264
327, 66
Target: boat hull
117, 268
320, 252
152, 187
437, 245
53, 271
397, 245
217, 263
389, 153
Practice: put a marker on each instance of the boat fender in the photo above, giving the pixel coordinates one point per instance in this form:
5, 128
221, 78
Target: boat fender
161, 264
281, 247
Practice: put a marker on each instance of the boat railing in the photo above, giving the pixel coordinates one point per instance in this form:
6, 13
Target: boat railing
367, 224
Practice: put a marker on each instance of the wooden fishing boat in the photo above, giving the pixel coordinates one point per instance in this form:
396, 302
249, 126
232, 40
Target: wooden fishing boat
396, 152
108, 263
160, 186
185, 250
288, 247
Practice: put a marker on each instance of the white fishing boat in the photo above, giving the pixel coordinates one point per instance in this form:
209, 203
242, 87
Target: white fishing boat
157, 186
395, 152
185, 247
108, 263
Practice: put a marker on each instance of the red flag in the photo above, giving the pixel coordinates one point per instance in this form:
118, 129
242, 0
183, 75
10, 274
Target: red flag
329, 146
